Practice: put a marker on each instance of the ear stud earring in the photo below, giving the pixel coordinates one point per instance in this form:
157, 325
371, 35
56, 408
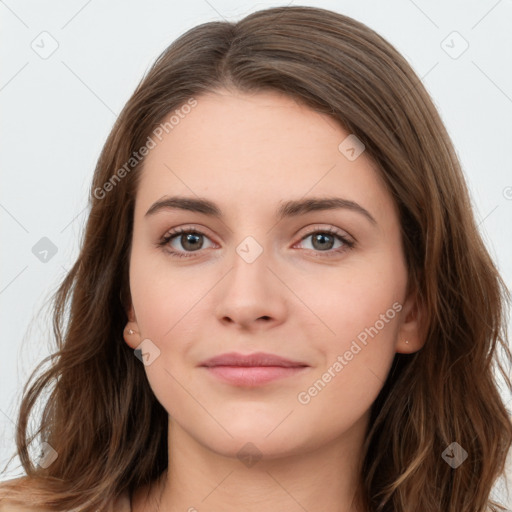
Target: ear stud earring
130, 331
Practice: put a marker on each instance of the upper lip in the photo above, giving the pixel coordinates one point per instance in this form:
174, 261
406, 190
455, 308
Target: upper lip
255, 359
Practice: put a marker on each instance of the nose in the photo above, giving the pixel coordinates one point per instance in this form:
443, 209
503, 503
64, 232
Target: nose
251, 296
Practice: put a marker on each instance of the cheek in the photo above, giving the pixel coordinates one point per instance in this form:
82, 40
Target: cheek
361, 307
164, 307
353, 299
170, 308
162, 298
357, 357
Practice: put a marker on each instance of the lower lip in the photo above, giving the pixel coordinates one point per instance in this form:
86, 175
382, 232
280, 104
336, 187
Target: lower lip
250, 376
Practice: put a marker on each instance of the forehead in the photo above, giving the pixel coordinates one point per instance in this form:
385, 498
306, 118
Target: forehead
249, 149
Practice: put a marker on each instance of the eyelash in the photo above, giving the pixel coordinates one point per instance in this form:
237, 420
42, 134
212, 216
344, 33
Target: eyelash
348, 244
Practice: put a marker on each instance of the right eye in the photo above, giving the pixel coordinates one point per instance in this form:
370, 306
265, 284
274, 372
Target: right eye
189, 239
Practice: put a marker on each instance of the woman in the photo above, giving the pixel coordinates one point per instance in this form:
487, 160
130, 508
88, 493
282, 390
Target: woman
272, 373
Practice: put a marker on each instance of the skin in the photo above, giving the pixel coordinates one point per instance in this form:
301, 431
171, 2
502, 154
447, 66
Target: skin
248, 153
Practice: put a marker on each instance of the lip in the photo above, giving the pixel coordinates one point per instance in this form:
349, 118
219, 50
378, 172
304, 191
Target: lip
252, 369
254, 359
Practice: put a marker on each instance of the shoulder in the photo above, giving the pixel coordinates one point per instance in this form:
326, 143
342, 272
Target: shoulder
22, 484
122, 504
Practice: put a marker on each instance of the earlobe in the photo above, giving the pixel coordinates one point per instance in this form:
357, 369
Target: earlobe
131, 332
411, 333
131, 335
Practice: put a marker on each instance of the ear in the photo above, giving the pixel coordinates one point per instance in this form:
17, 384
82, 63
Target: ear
131, 332
412, 326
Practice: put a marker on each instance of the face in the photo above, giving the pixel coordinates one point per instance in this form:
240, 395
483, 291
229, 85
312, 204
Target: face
266, 266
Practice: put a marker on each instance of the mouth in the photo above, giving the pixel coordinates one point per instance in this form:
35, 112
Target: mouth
253, 369
251, 376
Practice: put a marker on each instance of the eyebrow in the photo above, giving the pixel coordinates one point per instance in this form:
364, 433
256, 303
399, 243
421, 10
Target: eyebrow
288, 209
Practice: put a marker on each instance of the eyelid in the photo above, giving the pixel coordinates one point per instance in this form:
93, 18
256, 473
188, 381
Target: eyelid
329, 229
186, 228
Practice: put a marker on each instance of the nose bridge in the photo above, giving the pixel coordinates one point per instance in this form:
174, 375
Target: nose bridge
250, 266
250, 290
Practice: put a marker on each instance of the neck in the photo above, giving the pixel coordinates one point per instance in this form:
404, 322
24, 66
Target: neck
323, 478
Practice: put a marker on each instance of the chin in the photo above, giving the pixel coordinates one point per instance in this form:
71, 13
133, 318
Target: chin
253, 447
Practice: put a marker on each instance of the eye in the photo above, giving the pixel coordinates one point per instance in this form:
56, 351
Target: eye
323, 240
191, 240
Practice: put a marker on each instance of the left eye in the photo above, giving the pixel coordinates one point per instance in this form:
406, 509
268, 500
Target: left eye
323, 241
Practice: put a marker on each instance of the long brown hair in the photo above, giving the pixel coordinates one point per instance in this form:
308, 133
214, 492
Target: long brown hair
101, 415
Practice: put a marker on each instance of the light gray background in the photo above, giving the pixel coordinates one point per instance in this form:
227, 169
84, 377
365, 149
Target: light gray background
58, 109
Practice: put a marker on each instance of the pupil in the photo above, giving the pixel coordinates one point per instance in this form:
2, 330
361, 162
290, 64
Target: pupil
320, 238
191, 238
